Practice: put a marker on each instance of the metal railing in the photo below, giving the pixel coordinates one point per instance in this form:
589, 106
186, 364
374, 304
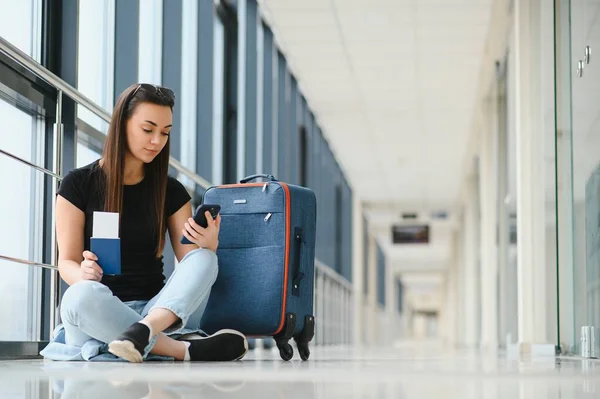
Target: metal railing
63, 87
333, 307
333, 293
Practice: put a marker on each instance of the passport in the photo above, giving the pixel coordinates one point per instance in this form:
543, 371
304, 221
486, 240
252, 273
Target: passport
105, 242
108, 251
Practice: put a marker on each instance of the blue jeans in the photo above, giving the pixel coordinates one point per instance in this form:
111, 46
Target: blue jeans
89, 310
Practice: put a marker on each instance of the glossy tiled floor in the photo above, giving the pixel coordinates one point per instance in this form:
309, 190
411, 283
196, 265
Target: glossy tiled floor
407, 371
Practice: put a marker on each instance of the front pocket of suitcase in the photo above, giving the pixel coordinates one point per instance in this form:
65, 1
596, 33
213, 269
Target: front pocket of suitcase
250, 230
248, 293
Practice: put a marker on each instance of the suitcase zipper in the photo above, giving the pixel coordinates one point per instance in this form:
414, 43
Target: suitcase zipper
268, 217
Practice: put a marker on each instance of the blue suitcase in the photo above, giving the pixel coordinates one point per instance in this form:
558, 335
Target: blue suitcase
266, 262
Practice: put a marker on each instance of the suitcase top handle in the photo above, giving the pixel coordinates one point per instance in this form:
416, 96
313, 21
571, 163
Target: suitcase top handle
252, 177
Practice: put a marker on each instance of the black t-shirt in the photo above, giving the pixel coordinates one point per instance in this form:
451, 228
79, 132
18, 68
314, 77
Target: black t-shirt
142, 272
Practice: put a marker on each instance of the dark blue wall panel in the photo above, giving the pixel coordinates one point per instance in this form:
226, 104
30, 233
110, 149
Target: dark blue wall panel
204, 90
400, 295
251, 63
228, 17
171, 65
346, 229
171, 78
303, 158
292, 142
380, 276
366, 255
269, 98
127, 16
283, 108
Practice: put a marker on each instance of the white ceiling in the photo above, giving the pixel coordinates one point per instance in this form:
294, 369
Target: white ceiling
392, 84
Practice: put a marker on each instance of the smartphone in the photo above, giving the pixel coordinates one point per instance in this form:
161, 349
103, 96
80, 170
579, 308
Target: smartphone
200, 218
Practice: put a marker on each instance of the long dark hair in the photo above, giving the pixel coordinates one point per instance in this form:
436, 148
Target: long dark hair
115, 149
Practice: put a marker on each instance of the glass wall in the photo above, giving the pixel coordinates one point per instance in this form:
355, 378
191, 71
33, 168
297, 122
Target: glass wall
150, 40
21, 24
23, 127
187, 98
525, 107
118, 44
578, 33
544, 120
95, 58
507, 265
20, 237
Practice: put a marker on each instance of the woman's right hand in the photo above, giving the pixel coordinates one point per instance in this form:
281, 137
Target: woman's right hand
89, 268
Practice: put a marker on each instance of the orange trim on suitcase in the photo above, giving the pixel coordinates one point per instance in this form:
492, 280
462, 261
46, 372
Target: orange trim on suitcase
288, 208
288, 211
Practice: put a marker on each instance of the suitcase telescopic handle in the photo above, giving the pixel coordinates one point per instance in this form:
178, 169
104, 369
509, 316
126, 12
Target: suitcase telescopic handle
258, 176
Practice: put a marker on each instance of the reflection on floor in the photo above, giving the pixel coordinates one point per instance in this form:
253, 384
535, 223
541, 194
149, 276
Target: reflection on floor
407, 371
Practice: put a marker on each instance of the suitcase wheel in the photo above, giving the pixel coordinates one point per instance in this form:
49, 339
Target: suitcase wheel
305, 336
283, 338
285, 350
303, 350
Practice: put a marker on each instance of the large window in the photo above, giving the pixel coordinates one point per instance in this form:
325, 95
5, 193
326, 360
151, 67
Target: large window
85, 155
95, 58
189, 83
100, 47
150, 42
578, 109
21, 24
21, 211
22, 233
507, 221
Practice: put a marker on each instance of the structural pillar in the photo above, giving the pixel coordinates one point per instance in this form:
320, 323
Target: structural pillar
391, 303
531, 269
488, 226
372, 314
358, 267
451, 311
470, 265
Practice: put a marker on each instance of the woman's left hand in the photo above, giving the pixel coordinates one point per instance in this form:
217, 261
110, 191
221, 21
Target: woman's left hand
204, 237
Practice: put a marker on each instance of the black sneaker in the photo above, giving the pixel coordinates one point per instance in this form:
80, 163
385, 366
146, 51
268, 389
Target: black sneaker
131, 343
222, 346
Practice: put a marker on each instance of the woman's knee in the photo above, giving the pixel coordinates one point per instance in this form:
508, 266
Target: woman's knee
81, 297
213, 263
207, 261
